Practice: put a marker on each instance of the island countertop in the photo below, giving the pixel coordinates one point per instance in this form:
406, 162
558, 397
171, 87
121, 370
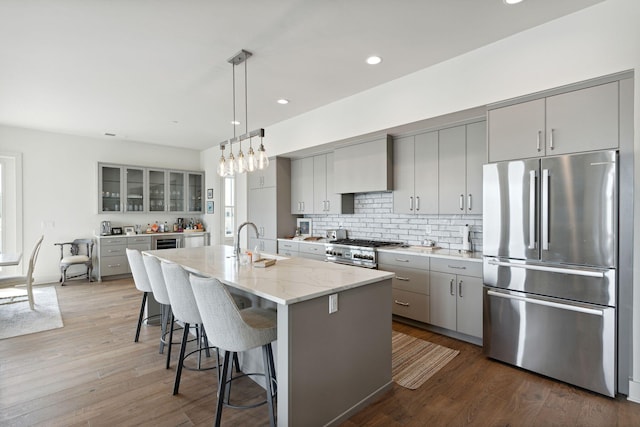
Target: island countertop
289, 281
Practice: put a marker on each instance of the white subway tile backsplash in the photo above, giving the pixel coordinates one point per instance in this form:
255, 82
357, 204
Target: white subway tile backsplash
374, 219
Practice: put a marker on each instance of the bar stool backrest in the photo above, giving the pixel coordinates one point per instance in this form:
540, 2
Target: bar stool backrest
183, 303
138, 270
156, 279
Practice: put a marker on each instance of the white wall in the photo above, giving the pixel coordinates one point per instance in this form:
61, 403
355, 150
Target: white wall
601, 40
60, 185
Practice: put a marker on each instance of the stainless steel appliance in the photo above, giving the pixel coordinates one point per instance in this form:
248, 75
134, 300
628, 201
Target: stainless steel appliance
167, 242
338, 234
105, 228
359, 252
550, 229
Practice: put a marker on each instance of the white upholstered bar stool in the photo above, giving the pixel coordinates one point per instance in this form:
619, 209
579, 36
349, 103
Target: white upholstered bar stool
185, 309
141, 280
156, 279
234, 330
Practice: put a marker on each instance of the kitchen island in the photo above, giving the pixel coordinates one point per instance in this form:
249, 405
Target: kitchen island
329, 365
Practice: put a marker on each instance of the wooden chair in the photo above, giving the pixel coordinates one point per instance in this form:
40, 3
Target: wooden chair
27, 280
79, 252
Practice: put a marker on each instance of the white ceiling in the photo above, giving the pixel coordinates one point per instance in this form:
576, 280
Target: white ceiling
156, 70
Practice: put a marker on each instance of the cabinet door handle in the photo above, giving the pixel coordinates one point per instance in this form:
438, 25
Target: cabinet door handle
457, 267
404, 304
328, 205
302, 206
113, 265
462, 202
402, 260
469, 202
551, 139
404, 279
460, 288
451, 289
417, 203
410, 203
538, 141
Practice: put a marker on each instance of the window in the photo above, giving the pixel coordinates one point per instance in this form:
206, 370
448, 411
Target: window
229, 209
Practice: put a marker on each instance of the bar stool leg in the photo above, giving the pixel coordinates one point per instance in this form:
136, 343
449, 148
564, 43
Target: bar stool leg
268, 377
144, 301
173, 321
183, 345
222, 386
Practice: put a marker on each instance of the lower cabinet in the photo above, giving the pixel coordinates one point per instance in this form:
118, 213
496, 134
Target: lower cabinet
112, 254
456, 296
288, 248
442, 292
291, 248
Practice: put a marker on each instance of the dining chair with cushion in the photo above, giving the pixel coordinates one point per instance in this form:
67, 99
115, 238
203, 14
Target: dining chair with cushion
27, 280
236, 330
78, 252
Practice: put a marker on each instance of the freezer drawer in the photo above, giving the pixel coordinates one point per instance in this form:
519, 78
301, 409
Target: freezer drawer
574, 343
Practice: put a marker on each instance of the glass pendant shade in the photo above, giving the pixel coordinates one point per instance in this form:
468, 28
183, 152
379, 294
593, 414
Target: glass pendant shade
222, 170
263, 160
241, 162
231, 165
252, 162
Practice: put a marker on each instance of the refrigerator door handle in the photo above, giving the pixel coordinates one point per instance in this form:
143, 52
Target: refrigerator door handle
547, 303
545, 210
587, 273
532, 209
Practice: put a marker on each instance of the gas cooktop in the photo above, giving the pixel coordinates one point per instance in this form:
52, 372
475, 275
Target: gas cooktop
365, 243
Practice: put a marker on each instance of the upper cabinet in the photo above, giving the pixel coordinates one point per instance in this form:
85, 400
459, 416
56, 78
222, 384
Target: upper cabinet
313, 187
577, 121
461, 155
302, 186
138, 189
364, 167
415, 174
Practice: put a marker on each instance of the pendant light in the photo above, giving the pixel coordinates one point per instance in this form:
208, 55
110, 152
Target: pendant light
252, 162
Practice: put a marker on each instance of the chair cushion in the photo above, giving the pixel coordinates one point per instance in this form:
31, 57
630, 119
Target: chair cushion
74, 259
12, 280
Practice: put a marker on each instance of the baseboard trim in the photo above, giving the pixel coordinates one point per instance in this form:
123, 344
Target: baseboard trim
634, 391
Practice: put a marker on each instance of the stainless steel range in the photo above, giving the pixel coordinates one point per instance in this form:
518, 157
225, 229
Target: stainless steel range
361, 253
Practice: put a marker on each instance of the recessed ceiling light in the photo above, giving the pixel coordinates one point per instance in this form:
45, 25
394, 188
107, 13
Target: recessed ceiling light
283, 101
374, 60
235, 122
109, 134
511, 1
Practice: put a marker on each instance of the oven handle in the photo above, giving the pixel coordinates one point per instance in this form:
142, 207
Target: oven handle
547, 303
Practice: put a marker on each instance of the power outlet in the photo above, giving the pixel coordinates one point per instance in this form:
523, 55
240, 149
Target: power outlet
427, 229
333, 303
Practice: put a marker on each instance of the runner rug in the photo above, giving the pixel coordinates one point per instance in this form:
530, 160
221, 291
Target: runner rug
414, 361
17, 319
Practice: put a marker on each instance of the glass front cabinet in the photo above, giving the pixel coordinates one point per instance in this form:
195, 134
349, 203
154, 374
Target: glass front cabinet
139, 189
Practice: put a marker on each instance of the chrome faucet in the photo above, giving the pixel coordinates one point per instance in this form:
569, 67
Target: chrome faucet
237, 248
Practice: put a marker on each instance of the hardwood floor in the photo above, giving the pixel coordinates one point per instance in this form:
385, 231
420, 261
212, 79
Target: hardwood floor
90, 372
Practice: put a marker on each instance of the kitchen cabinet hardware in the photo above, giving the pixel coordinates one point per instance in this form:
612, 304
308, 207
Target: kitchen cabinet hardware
538, 147
469, 202
410, 203
551, 139
451, 289
417, 203
457, 267
404, 304
462, 202
460, 289
404, 279
402, 260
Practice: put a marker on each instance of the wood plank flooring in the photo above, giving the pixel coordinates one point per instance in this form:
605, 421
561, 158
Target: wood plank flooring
91, 373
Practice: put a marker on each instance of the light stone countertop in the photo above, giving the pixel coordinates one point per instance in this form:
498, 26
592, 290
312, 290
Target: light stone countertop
435, 253
171, 233
289, 281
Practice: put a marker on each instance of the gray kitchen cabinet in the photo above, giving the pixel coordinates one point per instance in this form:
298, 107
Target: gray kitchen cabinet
461, 154
268, 207
410, 285
112, 255
288, 248
576, 121
302, 186
364, 167
325, 199
415, 174
195, 185
456, 296
262, 178
196, 239
311, 250
122, 188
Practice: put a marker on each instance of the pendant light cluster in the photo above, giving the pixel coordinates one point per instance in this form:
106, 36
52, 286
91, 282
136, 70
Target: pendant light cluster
232, 165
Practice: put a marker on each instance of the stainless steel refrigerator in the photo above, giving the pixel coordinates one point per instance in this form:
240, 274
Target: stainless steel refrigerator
550, 237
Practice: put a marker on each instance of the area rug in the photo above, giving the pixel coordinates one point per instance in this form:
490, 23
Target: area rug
414, 361
17, 319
